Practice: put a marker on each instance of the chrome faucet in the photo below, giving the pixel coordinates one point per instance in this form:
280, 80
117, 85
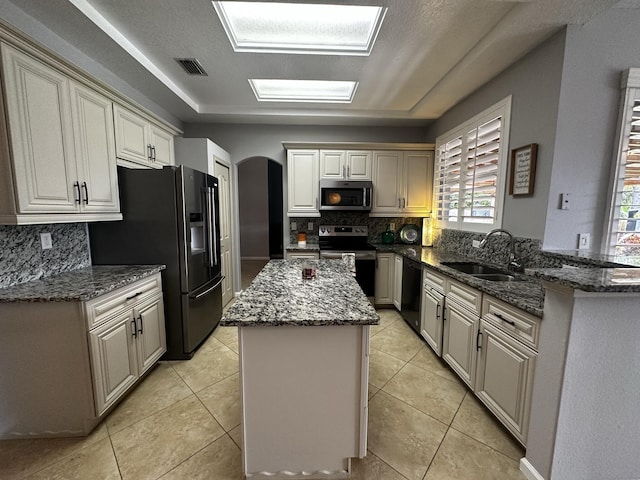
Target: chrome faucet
513, 264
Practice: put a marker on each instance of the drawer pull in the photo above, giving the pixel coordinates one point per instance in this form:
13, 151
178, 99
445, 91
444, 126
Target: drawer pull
510, 322
134, 296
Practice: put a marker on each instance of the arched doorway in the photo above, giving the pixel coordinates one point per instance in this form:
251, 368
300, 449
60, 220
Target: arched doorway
260, 215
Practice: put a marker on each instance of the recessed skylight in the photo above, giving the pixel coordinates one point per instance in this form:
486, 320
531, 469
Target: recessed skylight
300, 27
322, 91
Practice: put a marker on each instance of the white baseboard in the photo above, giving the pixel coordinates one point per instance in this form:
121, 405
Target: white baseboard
528, 470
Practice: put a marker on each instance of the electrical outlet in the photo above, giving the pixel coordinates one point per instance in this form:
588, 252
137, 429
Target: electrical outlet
294, 226
310, 226
564, 201
392, 227
475, 243
45, 241
584, 241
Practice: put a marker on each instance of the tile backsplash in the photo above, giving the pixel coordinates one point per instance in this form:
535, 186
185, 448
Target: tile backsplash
376, 225
22, 258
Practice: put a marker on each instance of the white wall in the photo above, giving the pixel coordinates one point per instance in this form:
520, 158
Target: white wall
253, 201
596, 55
534, 83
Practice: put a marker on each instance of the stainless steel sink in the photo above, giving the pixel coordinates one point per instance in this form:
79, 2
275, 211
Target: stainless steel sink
483, 272
472, 268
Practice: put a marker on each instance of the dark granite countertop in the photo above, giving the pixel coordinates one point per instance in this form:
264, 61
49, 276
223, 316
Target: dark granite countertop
77, 285
309, 247
594, 258
606, 280
279, 296
526, 293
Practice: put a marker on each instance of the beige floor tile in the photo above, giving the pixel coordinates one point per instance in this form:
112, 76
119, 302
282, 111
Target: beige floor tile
477, 422
395, 341
428, 360
387, 318
461, 458
431, 394
94, 461
372, 468
236, 436
222, 399
227, 335
382, 367
402, 436
372, 391
212, 362
21, 458
161, 388
218, 461
155, 445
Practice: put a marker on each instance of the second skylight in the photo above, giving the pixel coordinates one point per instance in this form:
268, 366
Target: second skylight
300, 28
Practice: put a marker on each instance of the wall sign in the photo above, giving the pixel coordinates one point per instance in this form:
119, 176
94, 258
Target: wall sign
523, 170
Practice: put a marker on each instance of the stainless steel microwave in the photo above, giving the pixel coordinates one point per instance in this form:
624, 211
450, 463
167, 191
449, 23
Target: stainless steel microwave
345, 195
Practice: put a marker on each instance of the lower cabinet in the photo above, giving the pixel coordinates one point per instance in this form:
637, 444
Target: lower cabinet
397, 282
125, 347
459, 341
384, 278
431, 319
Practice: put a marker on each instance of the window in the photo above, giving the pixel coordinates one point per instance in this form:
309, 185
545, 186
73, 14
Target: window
623, 229
471, 170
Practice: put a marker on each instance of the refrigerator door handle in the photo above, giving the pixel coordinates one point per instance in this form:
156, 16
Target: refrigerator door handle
212, 219
200, 295
209, 220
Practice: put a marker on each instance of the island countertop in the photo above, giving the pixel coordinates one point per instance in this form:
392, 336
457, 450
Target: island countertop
279, 296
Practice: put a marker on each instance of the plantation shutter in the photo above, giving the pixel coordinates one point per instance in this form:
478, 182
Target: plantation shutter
448, 179
481, 172
626, 222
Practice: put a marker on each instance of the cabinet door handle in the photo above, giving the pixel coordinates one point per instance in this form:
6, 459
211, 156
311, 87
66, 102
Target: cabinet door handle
86, 193
348, 171
438, 311
478, 345
153, 151
404, 203
510, 322
149, 152
344, 171
76, 186
134, 333
140, 329
444, 314
399, 202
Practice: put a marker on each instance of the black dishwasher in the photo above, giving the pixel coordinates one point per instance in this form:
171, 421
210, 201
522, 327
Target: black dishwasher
411, 292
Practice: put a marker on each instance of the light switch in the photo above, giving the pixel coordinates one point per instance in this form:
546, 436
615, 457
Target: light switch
294, 226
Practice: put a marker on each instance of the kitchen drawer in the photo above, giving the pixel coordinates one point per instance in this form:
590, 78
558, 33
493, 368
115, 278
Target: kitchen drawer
102, 308
465, 296
432, 280
514, 321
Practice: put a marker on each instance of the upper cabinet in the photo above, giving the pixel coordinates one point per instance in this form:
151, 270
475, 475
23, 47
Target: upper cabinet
402, 183
303, 183
141, 142
345, 164
61, 143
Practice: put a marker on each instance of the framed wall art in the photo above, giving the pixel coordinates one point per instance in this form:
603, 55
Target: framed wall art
523, 170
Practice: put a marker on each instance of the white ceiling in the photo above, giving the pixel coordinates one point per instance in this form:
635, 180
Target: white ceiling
429, 55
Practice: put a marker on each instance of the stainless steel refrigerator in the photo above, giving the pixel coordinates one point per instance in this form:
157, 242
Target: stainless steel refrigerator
171, 218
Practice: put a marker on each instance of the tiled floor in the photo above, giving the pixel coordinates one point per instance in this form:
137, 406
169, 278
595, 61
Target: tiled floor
182, 422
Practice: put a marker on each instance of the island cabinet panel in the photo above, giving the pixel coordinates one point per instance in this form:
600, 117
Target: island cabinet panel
307, 388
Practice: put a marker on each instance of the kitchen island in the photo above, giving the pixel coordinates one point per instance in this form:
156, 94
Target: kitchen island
304, 365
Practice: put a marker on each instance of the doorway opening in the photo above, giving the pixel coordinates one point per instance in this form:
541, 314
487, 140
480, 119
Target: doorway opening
260, 214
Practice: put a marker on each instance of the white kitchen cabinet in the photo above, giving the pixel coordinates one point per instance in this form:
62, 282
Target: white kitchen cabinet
345, 164
432, 309
141, 142
303, 183
62, 146
505, 378
461, 322
129, 343
307, 255
402, 182
397, 282
384, 278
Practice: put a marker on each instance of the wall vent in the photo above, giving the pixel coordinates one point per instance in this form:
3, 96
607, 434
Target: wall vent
192, 66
